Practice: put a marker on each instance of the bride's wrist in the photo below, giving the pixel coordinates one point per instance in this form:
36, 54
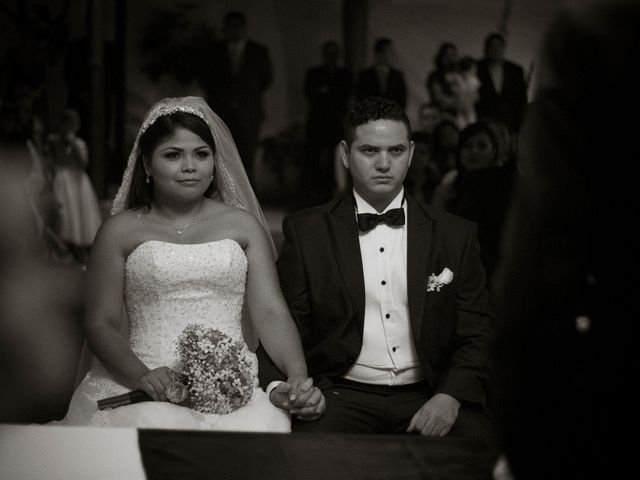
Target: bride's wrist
297, 373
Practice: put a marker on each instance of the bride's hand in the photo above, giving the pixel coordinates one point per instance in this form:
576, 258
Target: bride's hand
155, 382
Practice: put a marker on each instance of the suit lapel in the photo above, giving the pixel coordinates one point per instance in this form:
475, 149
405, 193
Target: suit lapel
346, 246
419, 261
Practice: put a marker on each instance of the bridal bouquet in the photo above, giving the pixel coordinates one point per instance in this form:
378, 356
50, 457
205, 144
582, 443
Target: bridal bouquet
217, 370
215, 374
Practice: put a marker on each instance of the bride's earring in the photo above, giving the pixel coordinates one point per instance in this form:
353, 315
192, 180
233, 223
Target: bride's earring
148, 179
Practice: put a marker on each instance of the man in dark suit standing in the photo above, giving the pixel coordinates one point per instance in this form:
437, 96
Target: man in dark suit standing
503, 90
382, 80
327, 88
389, 296
235, 77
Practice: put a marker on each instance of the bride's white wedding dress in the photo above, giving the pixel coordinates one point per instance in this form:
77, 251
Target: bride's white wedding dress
167, 287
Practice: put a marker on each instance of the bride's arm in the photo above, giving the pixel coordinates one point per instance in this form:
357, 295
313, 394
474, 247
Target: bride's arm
269, 312
103, 312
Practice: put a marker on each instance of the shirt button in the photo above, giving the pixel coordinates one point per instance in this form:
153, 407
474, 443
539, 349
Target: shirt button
381, 249
394, 349
387, 315
383, 282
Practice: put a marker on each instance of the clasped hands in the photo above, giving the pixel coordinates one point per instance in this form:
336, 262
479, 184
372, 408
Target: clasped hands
299, 397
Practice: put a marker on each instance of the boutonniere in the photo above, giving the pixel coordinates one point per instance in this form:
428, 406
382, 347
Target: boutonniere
436, 282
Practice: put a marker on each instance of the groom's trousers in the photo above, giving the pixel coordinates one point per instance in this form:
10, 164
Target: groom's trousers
354, 407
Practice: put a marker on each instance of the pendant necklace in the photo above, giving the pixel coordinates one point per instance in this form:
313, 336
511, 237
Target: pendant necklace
179, 230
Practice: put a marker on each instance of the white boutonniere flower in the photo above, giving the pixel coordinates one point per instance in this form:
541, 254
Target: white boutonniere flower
436, 282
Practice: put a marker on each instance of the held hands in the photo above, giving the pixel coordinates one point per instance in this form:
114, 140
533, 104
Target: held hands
155, 382
299, 397
436, 417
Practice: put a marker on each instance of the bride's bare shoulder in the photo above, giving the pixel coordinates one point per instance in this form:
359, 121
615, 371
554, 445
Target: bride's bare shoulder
121, 228
230, 215
233, 222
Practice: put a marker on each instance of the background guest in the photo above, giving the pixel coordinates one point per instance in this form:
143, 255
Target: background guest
465, 85
438, 82
381, 79
503, 90
80, 215
327, 88
423, 174
235, 76
477, 149
429, 116
444, 146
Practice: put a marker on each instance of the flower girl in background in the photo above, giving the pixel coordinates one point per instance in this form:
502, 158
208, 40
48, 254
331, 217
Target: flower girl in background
80, 215
186, 247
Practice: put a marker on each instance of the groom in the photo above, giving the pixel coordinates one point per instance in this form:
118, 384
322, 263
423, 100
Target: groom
389, 297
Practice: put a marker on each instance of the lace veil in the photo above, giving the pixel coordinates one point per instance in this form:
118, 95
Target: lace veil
232, 183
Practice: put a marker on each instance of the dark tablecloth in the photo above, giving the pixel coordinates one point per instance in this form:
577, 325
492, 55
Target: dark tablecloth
220, 455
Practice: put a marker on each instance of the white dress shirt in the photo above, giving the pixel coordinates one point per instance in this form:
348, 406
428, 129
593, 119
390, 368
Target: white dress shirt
388, 355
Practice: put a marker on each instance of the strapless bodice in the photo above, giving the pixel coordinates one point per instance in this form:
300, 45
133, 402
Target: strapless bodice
168, 286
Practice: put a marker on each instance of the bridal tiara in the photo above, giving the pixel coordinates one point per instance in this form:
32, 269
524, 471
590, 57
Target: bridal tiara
168, 110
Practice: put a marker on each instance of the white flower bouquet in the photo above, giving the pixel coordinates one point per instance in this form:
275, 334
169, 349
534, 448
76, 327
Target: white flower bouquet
217, 370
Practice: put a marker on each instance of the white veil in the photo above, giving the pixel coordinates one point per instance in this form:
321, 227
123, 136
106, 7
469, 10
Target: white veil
231, 182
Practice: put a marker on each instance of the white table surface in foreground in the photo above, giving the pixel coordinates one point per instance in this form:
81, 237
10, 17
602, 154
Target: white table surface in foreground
33, 452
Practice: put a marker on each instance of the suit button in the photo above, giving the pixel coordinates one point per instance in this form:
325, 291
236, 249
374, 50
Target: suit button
383, 282
381, 249
394, 349
387, 315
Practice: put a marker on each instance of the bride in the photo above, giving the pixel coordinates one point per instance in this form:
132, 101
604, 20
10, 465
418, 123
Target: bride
187, 244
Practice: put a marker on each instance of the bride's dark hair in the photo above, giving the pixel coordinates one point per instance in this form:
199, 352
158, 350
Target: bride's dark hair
141, 192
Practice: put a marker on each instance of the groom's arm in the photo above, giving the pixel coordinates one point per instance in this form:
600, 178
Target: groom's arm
293, 279
468, 374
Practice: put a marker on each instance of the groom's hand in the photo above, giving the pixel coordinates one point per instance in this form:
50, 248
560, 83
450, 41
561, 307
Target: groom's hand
307, 401
436, 417
309, 406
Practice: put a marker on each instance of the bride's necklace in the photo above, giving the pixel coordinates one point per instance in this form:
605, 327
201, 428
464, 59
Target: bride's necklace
179, 230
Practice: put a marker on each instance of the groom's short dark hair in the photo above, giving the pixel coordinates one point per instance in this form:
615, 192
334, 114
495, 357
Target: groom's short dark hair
371, 109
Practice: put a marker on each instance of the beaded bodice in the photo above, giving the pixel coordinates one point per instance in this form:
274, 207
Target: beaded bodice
168, 286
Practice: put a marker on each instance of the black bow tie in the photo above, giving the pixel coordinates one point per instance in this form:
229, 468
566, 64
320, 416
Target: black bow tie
393, 217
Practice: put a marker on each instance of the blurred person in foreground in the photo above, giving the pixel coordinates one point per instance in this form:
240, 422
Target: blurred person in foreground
567, 287
40, 306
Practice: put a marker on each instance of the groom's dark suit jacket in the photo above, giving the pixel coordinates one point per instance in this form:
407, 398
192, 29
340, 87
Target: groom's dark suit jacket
321, 275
